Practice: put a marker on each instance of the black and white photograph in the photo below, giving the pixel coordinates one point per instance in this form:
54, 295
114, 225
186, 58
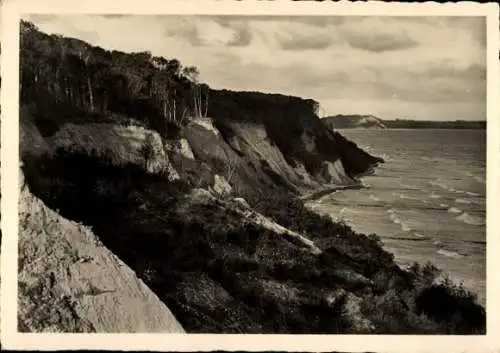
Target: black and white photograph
236, 173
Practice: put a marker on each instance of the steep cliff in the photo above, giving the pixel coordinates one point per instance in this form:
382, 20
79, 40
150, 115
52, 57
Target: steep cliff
202, 208
70, 282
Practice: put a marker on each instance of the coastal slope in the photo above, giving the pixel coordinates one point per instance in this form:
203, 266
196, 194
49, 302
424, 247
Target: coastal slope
197, 191
70, 282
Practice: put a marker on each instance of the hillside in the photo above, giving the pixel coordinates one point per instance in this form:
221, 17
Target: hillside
197, 191
373, 122
76, 284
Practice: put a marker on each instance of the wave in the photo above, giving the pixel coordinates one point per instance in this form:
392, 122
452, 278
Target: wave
442, 186
463, 201
479, 180
410, 187
418, 235
472, 220
471, 193
405, 228
374, 198
444, 205
438, 243
446, 253
394, 218
450, 254
454, 210
435, 196
406, 197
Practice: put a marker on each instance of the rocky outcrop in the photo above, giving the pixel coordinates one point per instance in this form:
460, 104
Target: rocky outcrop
121, 143
334, 173
221, 187
70, 282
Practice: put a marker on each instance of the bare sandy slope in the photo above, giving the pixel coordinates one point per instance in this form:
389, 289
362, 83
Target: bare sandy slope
70, 282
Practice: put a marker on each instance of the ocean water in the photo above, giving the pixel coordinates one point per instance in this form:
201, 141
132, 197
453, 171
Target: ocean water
427, 202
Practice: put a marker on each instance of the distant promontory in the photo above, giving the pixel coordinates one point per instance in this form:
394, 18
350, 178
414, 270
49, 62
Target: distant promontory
356, 121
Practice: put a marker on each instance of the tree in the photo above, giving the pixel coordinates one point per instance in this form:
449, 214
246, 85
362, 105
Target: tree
199, 92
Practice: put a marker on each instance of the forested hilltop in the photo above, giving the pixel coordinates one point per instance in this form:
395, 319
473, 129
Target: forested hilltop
198, 192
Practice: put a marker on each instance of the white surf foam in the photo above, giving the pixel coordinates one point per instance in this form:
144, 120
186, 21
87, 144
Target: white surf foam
454, 210
374, 198
418, 235
444, 205
471, 193
437, 243
442, 186
435, 196
395, 219
405, 228
479, 180
406, 197
473, 220
450, 254
409, 187
463, 201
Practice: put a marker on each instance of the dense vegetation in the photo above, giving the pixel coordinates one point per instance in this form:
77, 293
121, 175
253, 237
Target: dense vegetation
67, 80
217, 271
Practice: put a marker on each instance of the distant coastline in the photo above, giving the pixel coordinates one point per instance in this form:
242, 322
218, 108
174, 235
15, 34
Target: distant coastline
373, 122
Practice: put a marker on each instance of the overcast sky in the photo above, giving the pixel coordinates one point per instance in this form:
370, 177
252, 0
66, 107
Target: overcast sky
406, 67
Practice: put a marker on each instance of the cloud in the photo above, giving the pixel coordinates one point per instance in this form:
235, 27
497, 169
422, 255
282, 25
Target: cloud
377, 34
304, 42
380, 42
242, 37
391, 64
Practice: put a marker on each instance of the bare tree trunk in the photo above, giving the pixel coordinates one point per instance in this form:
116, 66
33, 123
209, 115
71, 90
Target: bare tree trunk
206, 104
91, 96
173, 111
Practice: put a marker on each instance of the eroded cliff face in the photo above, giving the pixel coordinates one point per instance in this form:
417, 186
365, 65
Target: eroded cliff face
247, 156
70, 282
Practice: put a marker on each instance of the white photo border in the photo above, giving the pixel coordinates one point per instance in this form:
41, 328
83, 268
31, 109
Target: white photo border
11, 339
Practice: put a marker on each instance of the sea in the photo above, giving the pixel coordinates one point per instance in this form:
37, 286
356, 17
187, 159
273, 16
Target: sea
427, 202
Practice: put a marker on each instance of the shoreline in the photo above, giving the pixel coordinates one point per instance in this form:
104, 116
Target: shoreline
330, 189
311, 200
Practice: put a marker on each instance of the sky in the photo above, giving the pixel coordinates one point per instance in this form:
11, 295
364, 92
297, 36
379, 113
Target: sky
430, 68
